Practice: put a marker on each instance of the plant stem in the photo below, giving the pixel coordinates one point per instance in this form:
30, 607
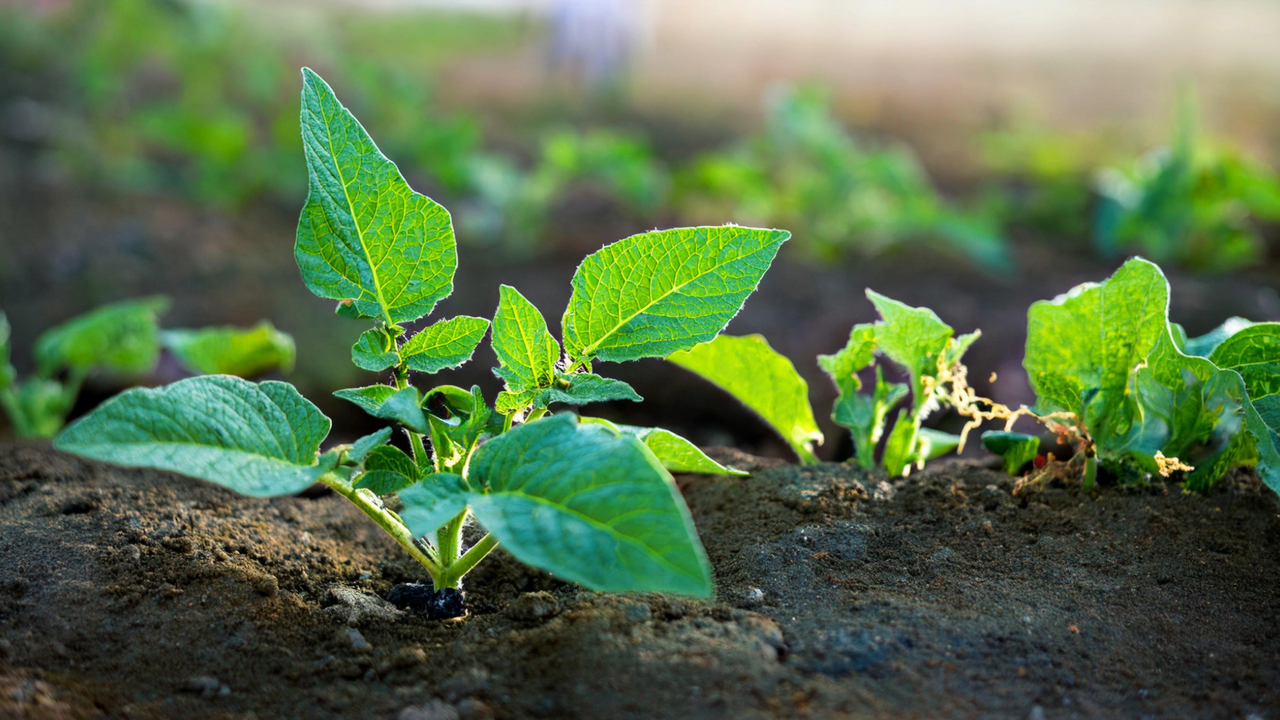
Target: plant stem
17, 418
387, 522
453, 574
535, 413
449, 539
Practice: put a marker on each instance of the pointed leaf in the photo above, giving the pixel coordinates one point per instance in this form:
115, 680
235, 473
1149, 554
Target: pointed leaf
256, 439
588, 505
1254, 352
858, 353
364, 235
360, 448
375, 351
677, 454
912, 337
653, 294
763, 380
583, 388
434, 501
232, 351
933, 444
387, 403
123, 336
527, 354
446, 344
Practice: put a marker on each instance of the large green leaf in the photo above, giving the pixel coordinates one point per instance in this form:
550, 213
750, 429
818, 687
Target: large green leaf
1083, 346
527, 354
232, 351
443, 345
653, 294
385, 402
763, 380
123, 336
364, 235
256, 439
1254, 352
589, 505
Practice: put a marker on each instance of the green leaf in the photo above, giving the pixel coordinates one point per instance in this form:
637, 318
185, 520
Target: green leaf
864, 415
857, 354
588, 505
527, 354
1254, 352
123, 336
443, 345
256, 439
364, 235
1016, 448
232, 351
360, 448
1204, 345
653, 294
434, 501
1262, 419
388, 470
375, 351
914, 338
674, 452
932, 444
44, 405
763, 380
385, 402
1083, 346
583, 388
900, 448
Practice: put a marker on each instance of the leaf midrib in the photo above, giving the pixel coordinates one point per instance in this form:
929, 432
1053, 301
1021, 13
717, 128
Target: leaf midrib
355, 222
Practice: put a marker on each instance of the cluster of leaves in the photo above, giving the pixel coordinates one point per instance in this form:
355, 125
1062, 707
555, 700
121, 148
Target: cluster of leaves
806, 172
1191, 203
123, 337
1131, 391
588, 500
514, 205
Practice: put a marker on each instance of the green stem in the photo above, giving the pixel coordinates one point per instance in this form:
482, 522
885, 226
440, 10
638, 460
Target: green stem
21, 427
449, 539
534, 414
455, 572
387, 521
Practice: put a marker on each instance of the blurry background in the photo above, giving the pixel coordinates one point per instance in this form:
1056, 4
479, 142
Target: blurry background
972, 156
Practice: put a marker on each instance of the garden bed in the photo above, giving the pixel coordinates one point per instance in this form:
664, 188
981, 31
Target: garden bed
133, 593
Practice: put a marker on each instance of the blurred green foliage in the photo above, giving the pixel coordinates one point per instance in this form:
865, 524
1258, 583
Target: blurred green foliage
1194, 203
805, 172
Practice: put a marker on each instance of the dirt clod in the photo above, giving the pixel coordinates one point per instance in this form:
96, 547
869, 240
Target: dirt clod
432, 604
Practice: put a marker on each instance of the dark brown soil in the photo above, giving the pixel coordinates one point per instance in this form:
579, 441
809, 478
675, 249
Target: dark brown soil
143, 594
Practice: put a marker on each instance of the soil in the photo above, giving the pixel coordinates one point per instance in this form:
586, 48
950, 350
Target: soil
840, 593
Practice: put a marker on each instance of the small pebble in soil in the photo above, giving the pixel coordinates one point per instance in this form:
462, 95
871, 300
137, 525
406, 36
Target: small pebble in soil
428, 602
355, 639
752, 597
534, 606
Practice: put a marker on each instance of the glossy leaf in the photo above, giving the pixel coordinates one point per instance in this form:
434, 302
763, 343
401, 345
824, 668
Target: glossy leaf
589, 505
527, 354
360, 448
1254, 352
375, 351
123, 336
387, 403
388, 470
583, 388
912, 337
434, 501
674, 452
364, 235
1016, 449
232, 351
446, 344
653, 294
763, 380
257, 439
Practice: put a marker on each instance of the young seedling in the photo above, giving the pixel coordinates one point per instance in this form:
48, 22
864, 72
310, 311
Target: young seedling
586, 500
124, 338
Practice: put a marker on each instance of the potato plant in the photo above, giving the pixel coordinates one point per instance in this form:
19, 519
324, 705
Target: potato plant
124, 338
589, 501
